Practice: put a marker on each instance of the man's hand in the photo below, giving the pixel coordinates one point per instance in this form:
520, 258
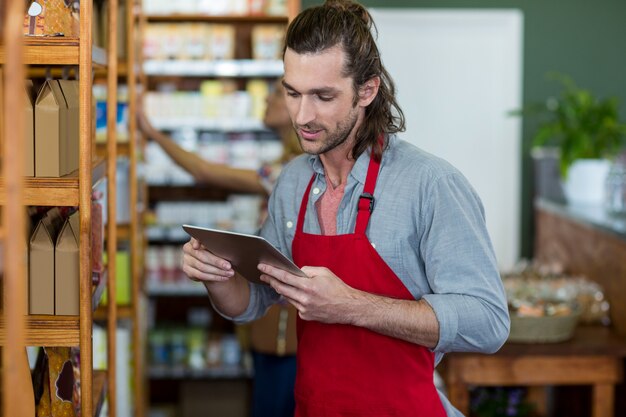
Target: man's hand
229, 291
326, 298
322, 296
201, 265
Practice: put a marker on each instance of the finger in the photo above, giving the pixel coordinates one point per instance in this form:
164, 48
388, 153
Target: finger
195, 243
283, 276
286, 290
207, 263
200, 272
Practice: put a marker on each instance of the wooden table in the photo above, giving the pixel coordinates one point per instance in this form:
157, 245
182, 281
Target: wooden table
595, 356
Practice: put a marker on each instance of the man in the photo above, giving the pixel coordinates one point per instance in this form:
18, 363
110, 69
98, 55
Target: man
393, 240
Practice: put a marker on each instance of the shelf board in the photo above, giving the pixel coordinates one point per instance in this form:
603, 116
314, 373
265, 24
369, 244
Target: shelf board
123, 231
55, 191
192, 192
55, 51
188, 289
99, 391
198, 17
219, 125
49, 331
217, 68
41, 71
123, 312
123, 149
220, 372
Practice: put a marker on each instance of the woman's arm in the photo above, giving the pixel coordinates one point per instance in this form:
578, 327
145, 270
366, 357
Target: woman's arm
236, 179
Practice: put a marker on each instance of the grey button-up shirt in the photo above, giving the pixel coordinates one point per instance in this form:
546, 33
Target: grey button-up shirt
428, 225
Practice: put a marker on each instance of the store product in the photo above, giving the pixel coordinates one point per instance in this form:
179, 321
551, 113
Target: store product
56, 129
41, 263
66, 269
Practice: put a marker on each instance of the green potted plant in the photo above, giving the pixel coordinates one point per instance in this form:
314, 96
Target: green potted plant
587, 133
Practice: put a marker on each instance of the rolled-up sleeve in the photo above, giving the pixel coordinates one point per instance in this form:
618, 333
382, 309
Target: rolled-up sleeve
263, 296
467, 293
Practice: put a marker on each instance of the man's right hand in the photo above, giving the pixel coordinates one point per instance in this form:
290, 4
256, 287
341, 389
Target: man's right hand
201, 265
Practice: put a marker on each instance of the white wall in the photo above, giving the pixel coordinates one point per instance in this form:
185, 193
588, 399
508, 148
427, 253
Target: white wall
458, 73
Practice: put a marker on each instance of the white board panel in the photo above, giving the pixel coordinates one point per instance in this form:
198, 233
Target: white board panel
457, 74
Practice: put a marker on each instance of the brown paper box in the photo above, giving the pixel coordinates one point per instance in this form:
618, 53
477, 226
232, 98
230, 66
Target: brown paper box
41, 264
29, 131
50, 130
71, 93
56, 129
66, 269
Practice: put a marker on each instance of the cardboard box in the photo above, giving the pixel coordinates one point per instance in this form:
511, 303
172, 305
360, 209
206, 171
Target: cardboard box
71, 92
56, 129
29, 131
66, 269
41, 264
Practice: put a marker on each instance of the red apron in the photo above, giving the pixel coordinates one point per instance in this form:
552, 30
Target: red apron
347, 370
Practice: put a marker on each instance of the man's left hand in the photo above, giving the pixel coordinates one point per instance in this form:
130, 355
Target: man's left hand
322, 296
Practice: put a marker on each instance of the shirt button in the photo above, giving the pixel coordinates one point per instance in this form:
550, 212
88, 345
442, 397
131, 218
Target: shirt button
374, 245
289, 224
316, 191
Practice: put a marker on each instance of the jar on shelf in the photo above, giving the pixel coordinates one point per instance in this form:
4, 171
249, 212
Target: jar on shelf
615, 187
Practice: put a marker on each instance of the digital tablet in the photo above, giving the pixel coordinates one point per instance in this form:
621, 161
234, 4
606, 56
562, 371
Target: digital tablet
243, 251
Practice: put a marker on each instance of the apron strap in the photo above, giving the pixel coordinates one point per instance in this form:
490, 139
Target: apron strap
303, 204
366, 199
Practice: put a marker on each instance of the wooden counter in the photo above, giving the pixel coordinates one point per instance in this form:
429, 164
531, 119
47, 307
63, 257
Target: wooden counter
593, 357
587, 372
588, 241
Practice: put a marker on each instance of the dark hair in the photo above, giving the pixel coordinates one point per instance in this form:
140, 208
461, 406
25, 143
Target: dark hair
349, 24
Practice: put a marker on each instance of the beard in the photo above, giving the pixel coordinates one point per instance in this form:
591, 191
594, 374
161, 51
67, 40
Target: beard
335, 138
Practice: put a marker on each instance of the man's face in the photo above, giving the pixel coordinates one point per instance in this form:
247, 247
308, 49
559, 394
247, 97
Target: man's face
320, 100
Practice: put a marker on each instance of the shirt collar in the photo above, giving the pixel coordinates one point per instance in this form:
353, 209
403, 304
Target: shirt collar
359, 170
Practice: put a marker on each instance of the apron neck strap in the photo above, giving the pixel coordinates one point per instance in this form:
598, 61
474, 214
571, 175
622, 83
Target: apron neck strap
366, 199
303, 204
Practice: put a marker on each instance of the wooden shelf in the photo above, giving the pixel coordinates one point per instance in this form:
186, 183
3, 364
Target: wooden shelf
123, 149
55, 191
99, 391
217, 19
193, 192
218, 68
55, 51
123, 312
41, 71
219, 372
49, 331
222, 124
182, 288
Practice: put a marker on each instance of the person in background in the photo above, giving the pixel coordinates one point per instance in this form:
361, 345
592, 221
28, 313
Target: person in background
400, 268
273, 336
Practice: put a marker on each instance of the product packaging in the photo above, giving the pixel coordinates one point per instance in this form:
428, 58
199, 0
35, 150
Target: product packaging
66, 266
56, 129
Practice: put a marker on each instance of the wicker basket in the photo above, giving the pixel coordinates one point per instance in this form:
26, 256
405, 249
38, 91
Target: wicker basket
547, 329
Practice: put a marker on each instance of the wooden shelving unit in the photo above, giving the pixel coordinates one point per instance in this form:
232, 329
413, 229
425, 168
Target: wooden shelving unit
18, 330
